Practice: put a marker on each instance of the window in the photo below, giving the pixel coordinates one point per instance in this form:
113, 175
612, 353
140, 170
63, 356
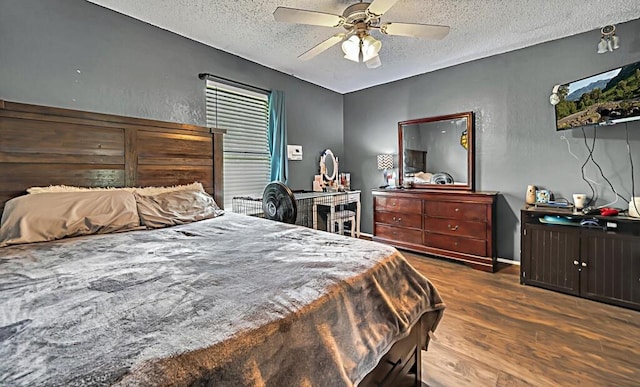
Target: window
245, 116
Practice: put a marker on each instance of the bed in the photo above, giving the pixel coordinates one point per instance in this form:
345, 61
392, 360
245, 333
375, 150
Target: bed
231, 300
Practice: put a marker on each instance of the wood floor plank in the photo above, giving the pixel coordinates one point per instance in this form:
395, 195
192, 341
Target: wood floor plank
447, 368
496, 332
507, 380
525, 350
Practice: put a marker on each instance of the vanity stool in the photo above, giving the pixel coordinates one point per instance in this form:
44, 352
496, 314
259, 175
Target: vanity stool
341, 217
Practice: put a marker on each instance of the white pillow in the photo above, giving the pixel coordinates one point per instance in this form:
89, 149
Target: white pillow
51, 216
143, 191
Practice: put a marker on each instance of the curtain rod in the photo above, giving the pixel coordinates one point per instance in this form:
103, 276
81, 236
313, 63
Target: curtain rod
231, 82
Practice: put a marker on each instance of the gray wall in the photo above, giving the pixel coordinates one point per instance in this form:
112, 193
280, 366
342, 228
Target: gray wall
77, 55
74, 54
516, 140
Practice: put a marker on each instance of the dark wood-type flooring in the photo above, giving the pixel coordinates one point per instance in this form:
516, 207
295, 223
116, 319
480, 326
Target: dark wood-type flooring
496, 332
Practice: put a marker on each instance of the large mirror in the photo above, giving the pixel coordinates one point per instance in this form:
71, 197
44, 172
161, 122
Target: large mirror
437, 152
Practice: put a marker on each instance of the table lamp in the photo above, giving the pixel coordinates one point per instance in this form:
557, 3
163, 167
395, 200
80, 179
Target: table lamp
385, 163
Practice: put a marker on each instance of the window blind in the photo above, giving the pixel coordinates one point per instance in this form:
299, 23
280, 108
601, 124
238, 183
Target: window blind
245, 116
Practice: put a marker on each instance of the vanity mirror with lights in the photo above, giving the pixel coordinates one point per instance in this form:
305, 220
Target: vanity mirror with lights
438, 212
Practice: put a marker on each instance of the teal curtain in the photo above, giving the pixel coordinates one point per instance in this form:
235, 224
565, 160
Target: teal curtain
278, 136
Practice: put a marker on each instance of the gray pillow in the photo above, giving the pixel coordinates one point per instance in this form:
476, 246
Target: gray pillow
178, 207
50, 216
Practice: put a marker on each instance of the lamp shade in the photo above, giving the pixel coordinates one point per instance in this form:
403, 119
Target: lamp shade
370, 47
385, 161
373, 62
351, 48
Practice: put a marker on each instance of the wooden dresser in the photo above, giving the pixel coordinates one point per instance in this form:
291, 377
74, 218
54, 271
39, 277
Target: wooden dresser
450, 224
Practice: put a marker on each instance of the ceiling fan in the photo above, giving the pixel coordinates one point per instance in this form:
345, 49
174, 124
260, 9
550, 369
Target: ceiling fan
358, 20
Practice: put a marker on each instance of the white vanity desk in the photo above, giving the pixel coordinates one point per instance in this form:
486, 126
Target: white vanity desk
332, 199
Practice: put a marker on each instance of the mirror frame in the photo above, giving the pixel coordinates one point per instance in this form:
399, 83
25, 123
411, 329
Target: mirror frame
323, 165
470, 186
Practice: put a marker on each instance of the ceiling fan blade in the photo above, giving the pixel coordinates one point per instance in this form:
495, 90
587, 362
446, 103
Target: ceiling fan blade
378, 7
417, 30
335, 39
300, 16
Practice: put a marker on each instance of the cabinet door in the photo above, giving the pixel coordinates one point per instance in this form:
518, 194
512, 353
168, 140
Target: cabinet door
548, 257
611, 268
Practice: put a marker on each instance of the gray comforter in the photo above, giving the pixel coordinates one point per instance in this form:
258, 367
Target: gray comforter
233, 300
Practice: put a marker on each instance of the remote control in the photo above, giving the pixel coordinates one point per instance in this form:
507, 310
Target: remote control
591, 210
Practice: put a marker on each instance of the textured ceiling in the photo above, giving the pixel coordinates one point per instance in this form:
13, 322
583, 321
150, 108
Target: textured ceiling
479, 28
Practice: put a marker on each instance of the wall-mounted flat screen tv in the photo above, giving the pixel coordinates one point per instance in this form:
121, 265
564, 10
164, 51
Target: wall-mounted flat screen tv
603, 99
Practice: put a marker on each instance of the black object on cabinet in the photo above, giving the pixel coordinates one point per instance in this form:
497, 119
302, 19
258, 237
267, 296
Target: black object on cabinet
599, 263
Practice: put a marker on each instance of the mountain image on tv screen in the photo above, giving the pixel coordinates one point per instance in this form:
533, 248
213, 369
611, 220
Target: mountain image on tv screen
604, 99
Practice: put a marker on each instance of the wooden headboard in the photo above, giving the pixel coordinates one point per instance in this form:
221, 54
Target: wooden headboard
41, 146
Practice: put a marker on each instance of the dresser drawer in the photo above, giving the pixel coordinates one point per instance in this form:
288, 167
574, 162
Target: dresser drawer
468, 211
399, 234
406, 206
456, 227
452, 224
459, 244
398, 219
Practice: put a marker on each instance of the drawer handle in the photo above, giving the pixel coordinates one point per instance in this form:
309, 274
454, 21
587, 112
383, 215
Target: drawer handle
453, 228
584, 264
575, 262
397, 220
394, 203
457, 209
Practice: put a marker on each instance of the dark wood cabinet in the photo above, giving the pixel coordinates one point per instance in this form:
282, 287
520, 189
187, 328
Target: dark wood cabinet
610, 267
450, 224
600, 263
548, 255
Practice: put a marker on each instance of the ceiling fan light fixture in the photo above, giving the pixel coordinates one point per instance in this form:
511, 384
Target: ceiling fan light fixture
351, 48
358, 20
374, 62
370, 48
352, 58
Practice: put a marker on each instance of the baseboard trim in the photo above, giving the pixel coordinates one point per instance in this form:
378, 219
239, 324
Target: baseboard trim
509, 261
368, 236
